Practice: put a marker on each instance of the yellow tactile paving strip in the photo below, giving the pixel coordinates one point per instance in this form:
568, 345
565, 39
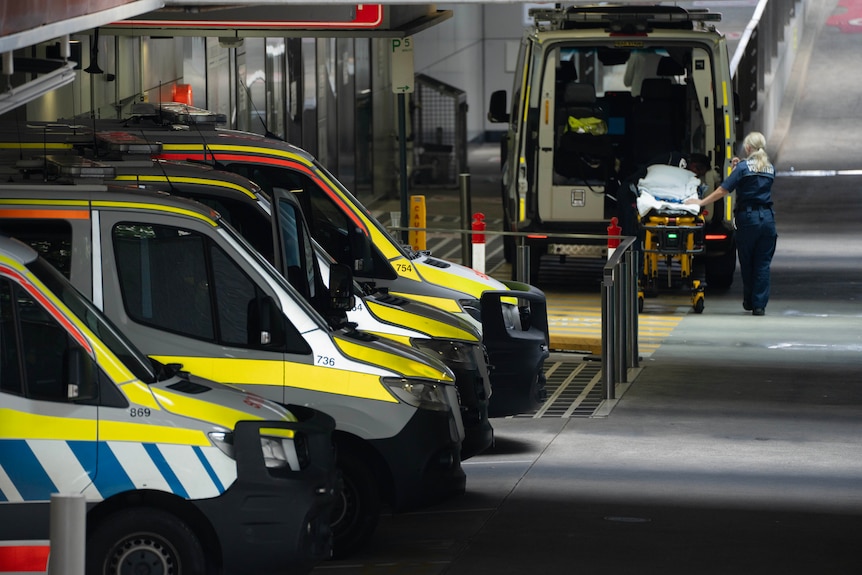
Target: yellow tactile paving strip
575, 321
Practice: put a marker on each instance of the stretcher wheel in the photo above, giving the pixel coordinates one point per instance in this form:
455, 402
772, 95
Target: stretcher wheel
697, 296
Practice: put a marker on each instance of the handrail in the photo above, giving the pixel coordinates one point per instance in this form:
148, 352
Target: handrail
619, 316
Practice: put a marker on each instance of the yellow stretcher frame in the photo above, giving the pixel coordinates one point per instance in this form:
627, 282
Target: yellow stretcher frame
671, 237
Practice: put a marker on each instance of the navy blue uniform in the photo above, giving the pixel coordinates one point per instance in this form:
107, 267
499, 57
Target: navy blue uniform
755, 229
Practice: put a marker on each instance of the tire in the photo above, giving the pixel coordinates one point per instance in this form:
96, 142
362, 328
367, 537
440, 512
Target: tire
357, 511
144, 540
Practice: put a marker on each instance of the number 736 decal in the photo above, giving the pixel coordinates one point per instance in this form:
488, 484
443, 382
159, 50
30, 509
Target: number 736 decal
325, 360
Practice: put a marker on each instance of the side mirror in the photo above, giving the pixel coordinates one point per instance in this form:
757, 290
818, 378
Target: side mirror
497, 111
341, 296
80, 375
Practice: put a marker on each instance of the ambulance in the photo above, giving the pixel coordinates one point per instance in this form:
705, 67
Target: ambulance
276, 228
166, 462
600, 93
188, 289
284, 240
517, 346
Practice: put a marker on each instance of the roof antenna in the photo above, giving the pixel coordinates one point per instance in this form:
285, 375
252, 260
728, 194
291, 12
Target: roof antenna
216, 164
161, 166
266, 131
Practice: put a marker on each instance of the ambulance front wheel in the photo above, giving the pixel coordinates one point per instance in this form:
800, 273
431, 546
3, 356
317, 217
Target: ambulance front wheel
357, 510
143, 540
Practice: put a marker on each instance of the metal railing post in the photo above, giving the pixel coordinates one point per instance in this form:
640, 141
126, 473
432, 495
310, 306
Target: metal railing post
621, 290
68, 534
522, 261
608, 336
632, 321
466, 219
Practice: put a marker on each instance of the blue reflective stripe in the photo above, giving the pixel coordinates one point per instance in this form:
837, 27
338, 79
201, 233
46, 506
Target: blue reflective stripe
25, 471
210, 471
85, 453
111, 477
165, 469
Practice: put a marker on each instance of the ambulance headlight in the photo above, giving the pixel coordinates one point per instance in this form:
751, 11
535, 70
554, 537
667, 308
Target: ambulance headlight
224, 441
420, 393
471, 307
449, 352
278, 452
511, 316
283, 452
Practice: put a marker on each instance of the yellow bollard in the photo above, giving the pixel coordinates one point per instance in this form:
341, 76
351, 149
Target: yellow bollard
417, 220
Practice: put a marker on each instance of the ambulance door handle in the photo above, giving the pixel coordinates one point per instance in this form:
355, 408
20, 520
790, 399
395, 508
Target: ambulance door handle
547, 149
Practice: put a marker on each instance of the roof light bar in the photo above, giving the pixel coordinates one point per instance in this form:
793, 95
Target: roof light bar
557, 17
68, 167
128, 143
178, 113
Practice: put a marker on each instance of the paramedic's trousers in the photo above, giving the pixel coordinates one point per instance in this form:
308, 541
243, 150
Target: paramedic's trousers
755, 246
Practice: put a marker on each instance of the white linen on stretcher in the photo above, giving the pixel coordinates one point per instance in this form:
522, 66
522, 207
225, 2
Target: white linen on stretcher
667, 188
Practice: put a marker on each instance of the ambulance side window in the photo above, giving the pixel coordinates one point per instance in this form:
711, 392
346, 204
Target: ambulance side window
250, 222
179, 281
33, 345
51, 238
329, 225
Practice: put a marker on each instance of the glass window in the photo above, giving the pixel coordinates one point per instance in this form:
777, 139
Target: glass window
51, 238
179, 281
234, 293
34, 347
276, 104
297, 249
10, 366
163, 278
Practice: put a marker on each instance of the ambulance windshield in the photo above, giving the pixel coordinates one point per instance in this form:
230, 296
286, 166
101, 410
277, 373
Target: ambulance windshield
95, 320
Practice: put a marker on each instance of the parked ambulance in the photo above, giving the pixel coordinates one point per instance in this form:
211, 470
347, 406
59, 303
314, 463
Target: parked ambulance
166, 461
600, 93
188, 289
517, 346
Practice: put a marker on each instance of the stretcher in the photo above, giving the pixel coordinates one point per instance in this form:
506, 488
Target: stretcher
672, 230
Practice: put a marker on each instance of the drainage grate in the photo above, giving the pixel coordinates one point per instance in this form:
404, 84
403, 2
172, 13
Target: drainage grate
574, 390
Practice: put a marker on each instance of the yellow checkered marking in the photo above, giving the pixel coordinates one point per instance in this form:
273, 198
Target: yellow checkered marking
575, 322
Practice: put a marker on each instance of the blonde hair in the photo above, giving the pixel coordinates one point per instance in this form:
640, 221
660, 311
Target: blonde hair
754, 145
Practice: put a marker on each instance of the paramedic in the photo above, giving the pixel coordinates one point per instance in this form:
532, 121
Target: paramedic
756, 236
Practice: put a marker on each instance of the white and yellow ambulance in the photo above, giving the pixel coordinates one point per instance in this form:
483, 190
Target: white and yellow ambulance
188, 289
167, 462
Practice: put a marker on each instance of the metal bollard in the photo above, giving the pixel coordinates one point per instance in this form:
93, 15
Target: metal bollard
68, 534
